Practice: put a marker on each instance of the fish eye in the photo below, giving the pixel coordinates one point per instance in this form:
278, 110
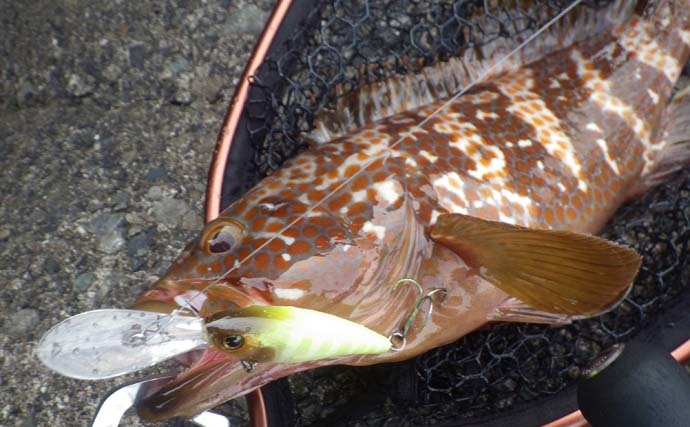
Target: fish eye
233, 342
222, 236
221, 242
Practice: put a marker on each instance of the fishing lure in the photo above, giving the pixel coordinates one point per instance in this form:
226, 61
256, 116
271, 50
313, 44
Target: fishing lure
283, 334
107, 343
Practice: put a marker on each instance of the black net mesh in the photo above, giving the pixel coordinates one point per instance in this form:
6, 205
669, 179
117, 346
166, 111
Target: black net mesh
350, 43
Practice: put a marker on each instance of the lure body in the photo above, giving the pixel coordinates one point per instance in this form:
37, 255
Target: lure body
290, 335
557, 142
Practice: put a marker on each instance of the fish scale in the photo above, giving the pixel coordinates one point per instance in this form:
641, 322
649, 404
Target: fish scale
460, 194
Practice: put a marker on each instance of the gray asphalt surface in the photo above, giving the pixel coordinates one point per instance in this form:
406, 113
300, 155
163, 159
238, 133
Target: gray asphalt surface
109, 112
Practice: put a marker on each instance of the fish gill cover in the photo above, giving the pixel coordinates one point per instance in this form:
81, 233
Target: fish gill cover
340, 46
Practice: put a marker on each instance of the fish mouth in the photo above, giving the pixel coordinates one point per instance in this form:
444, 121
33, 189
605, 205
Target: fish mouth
210, 378
213, 377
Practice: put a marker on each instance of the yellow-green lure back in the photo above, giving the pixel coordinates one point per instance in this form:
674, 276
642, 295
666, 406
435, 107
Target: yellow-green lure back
284, 334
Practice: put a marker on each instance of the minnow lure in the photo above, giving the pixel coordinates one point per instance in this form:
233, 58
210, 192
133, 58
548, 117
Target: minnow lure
290, 335
489, 195
107, 343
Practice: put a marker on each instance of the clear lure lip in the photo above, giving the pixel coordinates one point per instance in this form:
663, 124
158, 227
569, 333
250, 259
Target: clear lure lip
107, 343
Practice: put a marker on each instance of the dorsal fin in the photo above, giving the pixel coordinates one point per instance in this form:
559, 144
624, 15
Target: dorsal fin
405, 92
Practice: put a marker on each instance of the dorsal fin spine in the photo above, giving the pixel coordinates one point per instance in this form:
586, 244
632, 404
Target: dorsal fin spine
443, 79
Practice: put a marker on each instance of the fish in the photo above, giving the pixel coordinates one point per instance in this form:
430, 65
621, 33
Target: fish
492, 196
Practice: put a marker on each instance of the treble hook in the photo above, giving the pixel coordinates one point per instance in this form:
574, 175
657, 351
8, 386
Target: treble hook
401, 334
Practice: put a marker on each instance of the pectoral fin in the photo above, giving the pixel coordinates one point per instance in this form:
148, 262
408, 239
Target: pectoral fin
552, 271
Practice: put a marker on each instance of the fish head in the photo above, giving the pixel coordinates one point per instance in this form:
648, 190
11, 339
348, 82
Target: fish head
256, 253
207, 262
274, 247
266, 248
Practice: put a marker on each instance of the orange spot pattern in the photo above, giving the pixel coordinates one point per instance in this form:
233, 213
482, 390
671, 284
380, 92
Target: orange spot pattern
480, 157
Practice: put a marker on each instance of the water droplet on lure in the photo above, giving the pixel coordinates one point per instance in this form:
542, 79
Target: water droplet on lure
56, 349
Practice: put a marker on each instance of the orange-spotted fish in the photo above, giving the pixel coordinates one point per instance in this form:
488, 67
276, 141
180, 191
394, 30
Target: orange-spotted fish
489, 195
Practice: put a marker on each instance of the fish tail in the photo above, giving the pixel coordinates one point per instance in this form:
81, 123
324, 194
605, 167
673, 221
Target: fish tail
673, 152
660, 38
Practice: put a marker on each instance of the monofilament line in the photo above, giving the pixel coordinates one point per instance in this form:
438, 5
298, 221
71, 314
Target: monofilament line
388, 151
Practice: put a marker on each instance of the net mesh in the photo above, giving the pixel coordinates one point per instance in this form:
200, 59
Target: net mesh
342, 45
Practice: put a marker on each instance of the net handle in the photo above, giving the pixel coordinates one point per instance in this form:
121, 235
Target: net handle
576, 419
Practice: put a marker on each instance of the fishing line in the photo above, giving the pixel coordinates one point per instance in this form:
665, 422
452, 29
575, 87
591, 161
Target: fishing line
383, 157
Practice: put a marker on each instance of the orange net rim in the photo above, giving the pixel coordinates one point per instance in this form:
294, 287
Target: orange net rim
212, 207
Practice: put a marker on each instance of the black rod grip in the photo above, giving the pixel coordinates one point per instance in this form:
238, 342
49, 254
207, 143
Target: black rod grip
644, 386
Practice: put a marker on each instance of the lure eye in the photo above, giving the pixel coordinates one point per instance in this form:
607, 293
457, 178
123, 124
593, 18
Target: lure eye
222, 236
233, 342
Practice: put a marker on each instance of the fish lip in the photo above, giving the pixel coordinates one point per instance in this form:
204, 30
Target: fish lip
193, 390
214, 378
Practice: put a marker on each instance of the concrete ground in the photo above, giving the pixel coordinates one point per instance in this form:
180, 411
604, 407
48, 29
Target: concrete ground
109, 112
